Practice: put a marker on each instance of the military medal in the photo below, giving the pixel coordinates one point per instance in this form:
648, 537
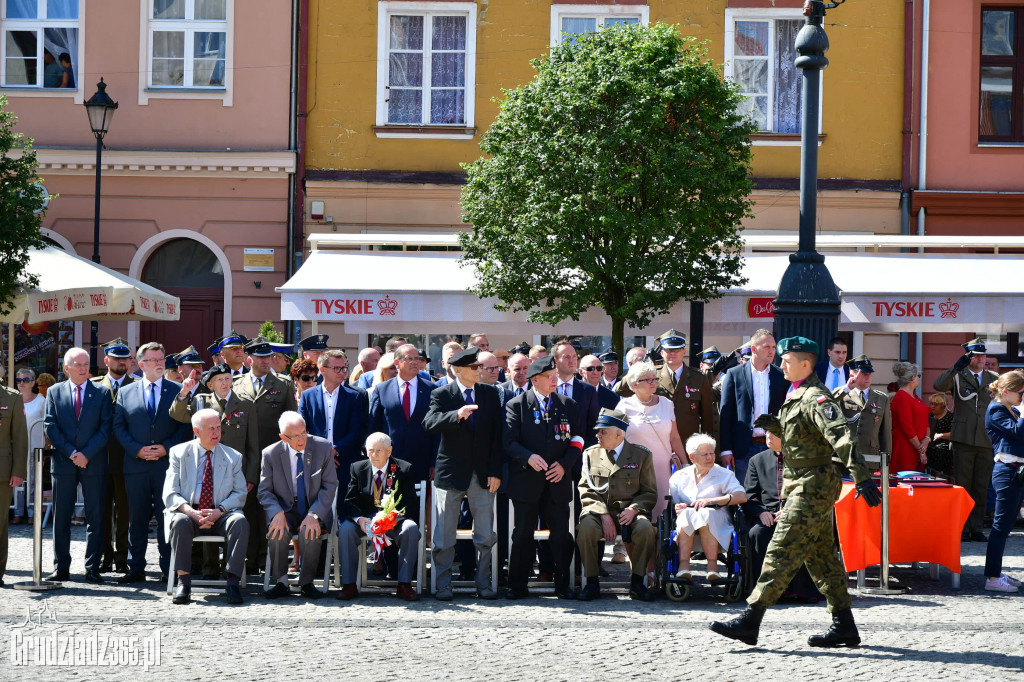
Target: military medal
536, 416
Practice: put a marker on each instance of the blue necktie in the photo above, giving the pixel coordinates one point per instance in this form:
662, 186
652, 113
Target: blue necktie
469, 401
151, 404
300, 486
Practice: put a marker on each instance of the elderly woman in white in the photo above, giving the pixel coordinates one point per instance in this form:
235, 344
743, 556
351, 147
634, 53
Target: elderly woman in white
693, 490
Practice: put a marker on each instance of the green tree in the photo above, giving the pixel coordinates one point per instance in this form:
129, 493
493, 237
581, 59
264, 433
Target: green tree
616, 178
21, 208
271, 334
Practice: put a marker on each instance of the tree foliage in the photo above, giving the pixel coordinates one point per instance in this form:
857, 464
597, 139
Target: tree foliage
271, 334
616, 178
21, 208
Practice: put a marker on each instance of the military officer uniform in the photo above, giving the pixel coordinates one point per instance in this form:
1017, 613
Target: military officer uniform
233, 340
13, 458
972, 447
868, 414
189, 360
691, 393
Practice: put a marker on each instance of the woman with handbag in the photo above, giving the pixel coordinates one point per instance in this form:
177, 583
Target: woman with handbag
1005, 426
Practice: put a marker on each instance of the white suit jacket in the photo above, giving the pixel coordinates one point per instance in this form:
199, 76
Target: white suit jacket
183, 473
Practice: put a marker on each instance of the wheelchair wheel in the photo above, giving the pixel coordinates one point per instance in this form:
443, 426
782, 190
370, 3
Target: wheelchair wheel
677, 591
734, 591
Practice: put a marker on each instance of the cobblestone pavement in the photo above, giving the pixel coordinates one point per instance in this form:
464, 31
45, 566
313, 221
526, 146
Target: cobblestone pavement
930, 633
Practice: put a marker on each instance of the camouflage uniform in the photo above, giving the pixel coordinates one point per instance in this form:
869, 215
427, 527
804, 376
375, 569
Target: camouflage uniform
813, 427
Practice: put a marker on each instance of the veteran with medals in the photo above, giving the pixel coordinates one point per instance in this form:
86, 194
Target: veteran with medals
866, 410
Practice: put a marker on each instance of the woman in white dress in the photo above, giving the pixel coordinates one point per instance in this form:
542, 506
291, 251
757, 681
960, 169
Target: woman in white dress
35, 405
693, 489
652, 424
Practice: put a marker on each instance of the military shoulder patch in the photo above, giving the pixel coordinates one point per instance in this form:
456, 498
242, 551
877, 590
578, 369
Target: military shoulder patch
829, 411
821, 399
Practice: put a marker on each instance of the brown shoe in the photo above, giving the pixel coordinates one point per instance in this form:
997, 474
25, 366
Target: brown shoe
406, 592
545, 577
348, 592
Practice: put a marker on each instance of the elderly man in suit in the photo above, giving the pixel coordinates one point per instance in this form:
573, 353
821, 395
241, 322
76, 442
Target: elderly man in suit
866, 410
145, 429
372, 480
77, 423
748, 391
397, 408
298, 482
336, 411
518, 366
467, 415
13, 447
203, 495
117, 357
833, 370
591, 368
968, 380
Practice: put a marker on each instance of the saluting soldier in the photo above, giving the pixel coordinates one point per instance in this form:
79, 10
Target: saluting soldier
117, 356
866, 410
812, 427
189, 360
618, 490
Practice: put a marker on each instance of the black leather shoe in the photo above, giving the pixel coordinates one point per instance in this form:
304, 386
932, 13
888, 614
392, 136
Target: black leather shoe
744, 628
277, 591
978, 536
93, 577
513, 593
309, 591
565, 593
132, 577
234, 594
58, 576
107, 567
842, 632
121, 566
638, 590
591, 591
163, 576
182, 594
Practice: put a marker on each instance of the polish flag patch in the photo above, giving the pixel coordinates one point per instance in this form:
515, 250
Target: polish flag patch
822, 398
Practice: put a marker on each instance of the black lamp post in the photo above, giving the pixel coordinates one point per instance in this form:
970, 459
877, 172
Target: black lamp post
808, 301
101, 110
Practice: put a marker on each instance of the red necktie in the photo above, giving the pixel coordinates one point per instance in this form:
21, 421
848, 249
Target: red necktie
206, 493
406, 401
78, 402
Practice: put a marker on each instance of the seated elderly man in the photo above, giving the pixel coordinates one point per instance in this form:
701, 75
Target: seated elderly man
617, 492
373, 479
204, 492
700, 494
298, 481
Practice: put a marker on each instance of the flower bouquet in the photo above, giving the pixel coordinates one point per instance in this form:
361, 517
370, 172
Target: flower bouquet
384, 521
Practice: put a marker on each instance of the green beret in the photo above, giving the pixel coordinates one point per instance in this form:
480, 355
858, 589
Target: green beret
797, 344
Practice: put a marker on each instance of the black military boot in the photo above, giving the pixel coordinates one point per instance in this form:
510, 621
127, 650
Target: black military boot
591, 591
744, 628
842, 632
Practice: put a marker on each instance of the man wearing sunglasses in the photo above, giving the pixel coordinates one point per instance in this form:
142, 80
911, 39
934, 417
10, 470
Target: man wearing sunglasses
591, 371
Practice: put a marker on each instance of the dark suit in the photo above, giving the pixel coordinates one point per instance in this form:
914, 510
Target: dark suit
531, 493
351, 414
88, 434
823, 369
144, 479
607, 398
586, 398
115, 503
511, 387
737, 416
409, 439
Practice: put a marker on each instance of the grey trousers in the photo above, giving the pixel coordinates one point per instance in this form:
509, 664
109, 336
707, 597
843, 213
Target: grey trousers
407, 536
309, 551
232, 526
481, 505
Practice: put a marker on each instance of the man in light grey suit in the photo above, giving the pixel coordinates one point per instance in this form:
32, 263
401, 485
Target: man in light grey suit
204, 493
298, 463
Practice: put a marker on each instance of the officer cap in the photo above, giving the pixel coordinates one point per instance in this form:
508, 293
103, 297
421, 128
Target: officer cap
259, 348
672, 340
314, 342
609, 418
171, 361
189, 356
233, 339
540, 365
285, 348
861, 363
523, 348
465, 358
609, 357
216, 370
975, 347
797, 344
214, 347
118, 348
744, 351
710, 354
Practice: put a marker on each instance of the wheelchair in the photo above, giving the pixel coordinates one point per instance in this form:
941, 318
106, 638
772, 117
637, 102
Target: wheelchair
736, 558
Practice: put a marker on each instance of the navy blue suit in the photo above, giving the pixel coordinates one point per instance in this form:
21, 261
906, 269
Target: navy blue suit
823, 368
365, 380
607, 398
737, 413
589, 406
144, 479
87, 434
408, 437
349, 430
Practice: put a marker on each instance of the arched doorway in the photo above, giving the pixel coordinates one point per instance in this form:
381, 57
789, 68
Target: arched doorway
189, 270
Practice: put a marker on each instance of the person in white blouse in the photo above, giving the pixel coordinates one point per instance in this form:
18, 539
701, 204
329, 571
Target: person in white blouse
701, 494
35, 405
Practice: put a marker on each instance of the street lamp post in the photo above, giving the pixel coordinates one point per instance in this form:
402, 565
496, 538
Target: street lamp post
808, 300
100, 109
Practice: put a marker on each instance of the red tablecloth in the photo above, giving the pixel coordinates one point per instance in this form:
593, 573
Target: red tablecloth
923, 526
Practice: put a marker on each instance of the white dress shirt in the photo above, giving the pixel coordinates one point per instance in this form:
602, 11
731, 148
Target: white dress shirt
330, 401
760, 385
565, 388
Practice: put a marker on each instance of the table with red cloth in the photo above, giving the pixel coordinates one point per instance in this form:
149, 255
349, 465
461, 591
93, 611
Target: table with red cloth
924, 525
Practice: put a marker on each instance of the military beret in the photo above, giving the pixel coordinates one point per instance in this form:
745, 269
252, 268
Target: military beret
465, 358
609, 418
171, 361
233, 339
118, 348
314, 342
861, 363
285, 348
216, 370
797, 344
189, 356
975, 347
672, 340
710, 354
608, 357
540, 365
259, 348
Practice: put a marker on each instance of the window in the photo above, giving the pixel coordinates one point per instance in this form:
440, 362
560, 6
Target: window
426, 65
188, 43
760, 50
1001, 96
572, 20
40, 44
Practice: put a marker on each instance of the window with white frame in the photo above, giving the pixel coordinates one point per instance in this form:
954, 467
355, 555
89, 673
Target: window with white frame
426, 63
40, 44
188, 43
760, 50
573, 20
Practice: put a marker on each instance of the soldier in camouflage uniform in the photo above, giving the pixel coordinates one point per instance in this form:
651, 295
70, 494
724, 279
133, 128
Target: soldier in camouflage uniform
812, 427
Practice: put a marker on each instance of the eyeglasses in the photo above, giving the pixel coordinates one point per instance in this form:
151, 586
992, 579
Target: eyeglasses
339, 370
475, 365
652, 380
496, 368
298, 436
593, 369
23, 380
155, 361
307, 377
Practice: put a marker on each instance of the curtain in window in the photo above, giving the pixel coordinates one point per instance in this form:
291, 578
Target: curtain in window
787, 77
22, 9
59, 40
448, 70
